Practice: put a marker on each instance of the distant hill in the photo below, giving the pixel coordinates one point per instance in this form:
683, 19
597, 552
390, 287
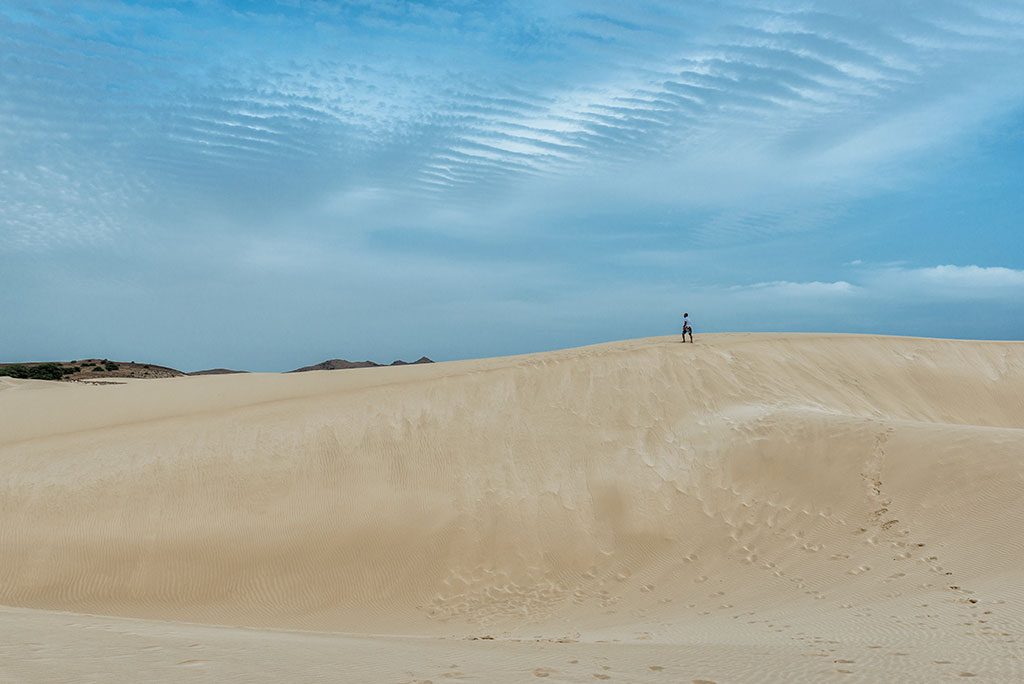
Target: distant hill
95, 369
344, 364
336, 364
86, 369
422, 359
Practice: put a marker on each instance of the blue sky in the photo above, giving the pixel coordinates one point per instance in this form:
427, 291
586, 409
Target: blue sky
267, 184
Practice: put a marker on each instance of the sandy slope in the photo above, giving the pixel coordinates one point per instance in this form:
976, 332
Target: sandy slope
747, 508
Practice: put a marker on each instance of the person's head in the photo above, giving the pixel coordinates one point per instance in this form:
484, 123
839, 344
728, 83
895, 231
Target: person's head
685, 315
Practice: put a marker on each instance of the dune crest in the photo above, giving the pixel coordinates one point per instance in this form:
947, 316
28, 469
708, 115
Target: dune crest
776, 491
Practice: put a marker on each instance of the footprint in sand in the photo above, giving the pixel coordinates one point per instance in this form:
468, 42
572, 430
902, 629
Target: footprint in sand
703, 681
543, 672
598, 675
655, 668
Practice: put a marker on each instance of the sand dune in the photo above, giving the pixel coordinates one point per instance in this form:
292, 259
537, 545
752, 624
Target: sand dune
749, 508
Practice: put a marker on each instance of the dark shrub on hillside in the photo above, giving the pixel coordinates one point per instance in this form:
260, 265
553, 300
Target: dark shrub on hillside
97, 369
111, 366
44, 371
14, 371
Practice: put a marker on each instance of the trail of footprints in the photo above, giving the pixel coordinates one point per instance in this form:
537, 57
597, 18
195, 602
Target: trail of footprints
880, 526
541, 598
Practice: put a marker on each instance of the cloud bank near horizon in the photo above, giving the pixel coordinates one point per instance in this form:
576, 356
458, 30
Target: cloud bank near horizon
463, 179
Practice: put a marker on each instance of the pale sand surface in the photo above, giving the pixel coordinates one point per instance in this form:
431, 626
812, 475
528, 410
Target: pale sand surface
749, 508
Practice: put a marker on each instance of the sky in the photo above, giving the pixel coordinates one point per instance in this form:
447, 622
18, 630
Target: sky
264, 185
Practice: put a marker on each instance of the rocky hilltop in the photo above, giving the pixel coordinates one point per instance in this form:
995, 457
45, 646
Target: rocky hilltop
344, 364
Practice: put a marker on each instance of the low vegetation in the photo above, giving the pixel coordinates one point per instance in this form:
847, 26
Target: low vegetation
42, 371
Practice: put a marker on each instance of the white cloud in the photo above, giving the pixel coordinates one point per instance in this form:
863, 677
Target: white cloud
877, 287
798, 289
947, 282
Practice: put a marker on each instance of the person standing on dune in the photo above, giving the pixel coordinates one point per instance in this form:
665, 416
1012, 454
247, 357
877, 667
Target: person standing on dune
687, 328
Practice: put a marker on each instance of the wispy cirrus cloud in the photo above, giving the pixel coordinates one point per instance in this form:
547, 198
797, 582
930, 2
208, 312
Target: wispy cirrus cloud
507, 97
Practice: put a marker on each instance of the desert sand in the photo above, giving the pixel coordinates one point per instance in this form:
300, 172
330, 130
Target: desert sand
748, 508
